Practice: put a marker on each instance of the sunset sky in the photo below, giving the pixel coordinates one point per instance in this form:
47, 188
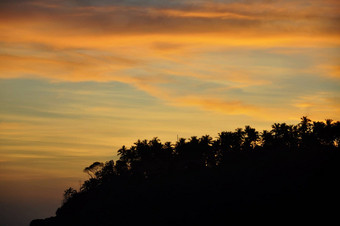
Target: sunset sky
81, 78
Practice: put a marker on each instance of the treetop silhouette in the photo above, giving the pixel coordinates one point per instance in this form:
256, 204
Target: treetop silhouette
290, 169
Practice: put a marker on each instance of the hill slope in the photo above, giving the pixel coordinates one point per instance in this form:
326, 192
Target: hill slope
285, 175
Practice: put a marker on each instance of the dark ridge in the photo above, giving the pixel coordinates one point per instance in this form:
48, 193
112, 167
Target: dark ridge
288, 175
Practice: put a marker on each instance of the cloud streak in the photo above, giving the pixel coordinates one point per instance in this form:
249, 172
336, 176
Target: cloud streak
161, 47
266, 18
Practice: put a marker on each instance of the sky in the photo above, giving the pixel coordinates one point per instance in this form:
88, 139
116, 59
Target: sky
81, 78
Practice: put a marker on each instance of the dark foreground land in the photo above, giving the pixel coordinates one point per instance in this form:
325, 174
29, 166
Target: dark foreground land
288, 175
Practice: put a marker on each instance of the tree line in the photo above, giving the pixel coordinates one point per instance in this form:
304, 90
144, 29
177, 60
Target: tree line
258, 169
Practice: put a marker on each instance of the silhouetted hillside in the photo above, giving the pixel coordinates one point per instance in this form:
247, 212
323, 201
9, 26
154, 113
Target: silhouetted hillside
288, 175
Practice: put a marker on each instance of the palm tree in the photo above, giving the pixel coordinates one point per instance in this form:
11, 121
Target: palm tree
251, 136
93, 169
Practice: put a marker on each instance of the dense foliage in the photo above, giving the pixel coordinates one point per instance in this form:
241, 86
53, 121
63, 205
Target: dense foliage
287, 173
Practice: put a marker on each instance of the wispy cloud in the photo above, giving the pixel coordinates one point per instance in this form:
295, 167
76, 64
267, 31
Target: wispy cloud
213, 104
259, 18
321, 105
158, 46
329, 70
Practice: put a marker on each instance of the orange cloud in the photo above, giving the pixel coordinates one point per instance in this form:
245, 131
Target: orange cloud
331, 71
198, 14
124, 43
78, 68
214, 104
320, 105
265, 18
